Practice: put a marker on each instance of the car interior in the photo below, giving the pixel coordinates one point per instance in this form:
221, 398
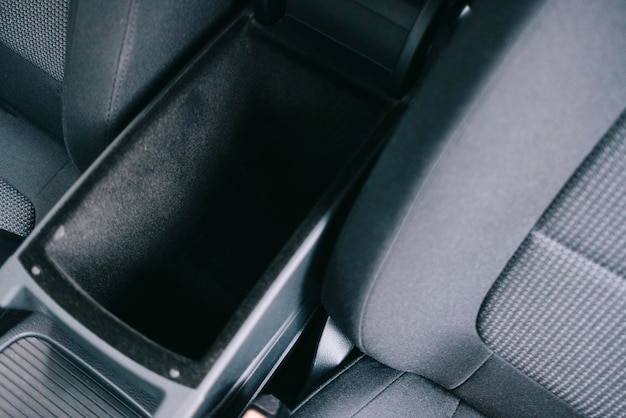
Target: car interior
313, 208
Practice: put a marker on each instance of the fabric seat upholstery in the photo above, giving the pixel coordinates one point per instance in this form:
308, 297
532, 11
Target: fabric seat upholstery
73, 74
511, 110
80, 70
366, 388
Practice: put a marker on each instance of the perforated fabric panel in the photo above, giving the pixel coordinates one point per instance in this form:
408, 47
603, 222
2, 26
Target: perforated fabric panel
558, 311
36, 30
17, 213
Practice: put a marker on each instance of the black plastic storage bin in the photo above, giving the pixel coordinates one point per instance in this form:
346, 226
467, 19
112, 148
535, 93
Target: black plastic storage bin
174, 226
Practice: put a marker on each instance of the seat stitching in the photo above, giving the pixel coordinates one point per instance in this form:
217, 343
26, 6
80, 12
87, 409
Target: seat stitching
52, 178
127, 47
387, 386
116, 76
328, 382
458, 406
543, 235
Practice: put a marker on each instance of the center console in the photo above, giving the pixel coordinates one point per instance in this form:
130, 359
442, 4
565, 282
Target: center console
184, 265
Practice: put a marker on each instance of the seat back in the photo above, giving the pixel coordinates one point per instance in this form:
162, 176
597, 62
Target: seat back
82, 69
32, 59
515, 104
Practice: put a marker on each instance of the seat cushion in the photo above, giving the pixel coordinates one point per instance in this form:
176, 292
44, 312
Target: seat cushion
493, 135
17, 213
32, 59
486, 146
366, 388
558, 312
35, 168
33, 163
37, 32
118, 61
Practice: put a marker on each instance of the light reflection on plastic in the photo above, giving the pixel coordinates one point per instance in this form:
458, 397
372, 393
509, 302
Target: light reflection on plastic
466, 11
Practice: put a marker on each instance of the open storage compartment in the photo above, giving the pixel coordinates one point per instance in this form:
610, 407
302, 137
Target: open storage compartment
176, 223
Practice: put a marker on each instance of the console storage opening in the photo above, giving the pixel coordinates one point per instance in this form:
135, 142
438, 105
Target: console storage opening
175, 225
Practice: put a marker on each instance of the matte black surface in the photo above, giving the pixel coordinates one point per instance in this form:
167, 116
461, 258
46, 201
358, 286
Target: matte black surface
268, 12
381, 43
328, 54
8, 245
514, 105
373, 29
435, 17
112, 377
189, 212
42, 379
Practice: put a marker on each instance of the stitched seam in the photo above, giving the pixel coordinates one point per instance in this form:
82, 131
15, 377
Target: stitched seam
127, 49
458, 406
331, 380
541, 235
69, 52
51, 179
378, 394
116, 75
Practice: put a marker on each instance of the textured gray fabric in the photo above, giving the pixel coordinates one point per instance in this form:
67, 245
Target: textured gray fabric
34, 163
558, 311
17, 213
37, 31
491, 137
366, 388
122, 53
589, 216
